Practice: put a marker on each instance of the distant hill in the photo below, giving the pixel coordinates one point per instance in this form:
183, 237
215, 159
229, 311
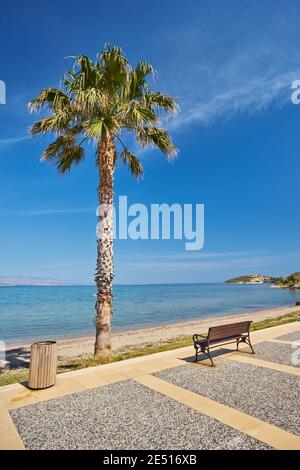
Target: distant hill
252, 279
290, 282
27, 281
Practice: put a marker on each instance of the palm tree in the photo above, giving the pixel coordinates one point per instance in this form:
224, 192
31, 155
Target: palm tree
103, 101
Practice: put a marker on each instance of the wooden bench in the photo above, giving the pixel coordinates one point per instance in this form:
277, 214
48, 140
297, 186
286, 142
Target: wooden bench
221, 335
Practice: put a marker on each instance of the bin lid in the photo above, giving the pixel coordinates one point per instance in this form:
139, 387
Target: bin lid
44, 343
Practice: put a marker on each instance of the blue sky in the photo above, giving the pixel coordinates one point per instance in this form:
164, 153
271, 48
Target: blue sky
231, 65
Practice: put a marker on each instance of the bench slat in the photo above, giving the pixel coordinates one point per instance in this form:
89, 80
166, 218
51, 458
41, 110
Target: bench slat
228, 330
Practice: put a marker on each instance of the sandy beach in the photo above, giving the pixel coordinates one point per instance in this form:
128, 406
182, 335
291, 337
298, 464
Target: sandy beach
75, 347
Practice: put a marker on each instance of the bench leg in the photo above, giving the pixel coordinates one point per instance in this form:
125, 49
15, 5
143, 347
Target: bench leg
244, 340
212, 362
249, 342
206, 352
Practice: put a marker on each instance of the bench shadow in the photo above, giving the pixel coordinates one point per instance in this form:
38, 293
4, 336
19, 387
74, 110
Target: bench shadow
204, 360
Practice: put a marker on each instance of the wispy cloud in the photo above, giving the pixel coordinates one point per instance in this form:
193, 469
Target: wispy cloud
253, 81
45, 212
252, 96
13, 140
239, 261
218, 74
204, 255
242, 263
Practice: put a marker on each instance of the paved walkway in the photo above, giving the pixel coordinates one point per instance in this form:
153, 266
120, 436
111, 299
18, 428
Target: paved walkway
166, 401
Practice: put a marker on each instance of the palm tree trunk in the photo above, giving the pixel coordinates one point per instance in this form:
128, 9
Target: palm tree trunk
105, 270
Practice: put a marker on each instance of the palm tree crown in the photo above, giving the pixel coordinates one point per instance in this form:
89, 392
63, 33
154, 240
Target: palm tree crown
105, 96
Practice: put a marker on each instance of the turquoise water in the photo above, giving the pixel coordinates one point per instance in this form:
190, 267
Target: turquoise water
32, 313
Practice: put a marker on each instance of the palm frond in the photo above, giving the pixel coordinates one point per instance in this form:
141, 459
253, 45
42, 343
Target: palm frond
55, 123
52, 98
82, 75
90, 99
145, 68
134, 115
159, 138
133, 162
55, 149
71, 156
94, 129
65, 152
137, 84
114, 67
160, 101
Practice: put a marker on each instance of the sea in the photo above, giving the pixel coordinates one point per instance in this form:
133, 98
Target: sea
29, 313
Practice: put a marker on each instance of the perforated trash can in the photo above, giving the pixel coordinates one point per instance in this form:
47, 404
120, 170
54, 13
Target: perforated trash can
43, 364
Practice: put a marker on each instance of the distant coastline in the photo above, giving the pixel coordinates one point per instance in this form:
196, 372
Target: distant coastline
289, 282
252, 279
10, 281
292, 281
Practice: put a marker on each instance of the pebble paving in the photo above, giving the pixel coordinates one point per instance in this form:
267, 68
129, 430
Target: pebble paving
275, 352
125, 415
269, 395
295, 336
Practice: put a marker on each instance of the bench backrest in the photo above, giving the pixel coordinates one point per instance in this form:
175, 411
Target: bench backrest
229, 330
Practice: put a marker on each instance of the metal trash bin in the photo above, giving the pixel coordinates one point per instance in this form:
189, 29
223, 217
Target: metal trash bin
43, 364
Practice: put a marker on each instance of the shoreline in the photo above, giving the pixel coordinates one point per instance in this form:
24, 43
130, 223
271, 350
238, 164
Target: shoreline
126, 339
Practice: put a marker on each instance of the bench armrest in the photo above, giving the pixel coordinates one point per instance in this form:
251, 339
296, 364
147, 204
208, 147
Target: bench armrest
196, 336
